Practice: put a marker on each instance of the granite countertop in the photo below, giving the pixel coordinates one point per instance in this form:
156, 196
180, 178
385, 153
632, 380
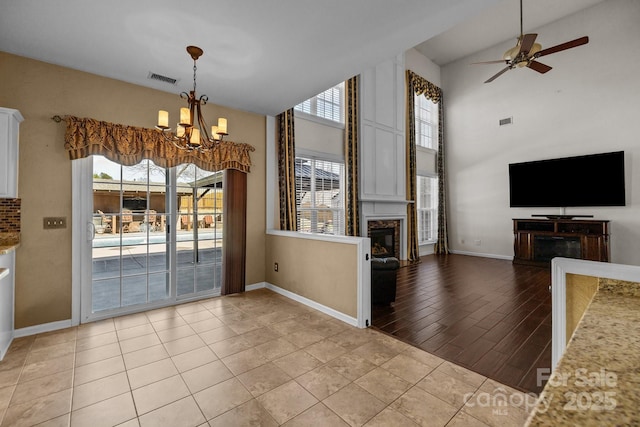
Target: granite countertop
597, 381
9, 242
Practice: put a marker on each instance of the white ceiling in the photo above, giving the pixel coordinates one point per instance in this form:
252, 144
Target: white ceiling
262, 56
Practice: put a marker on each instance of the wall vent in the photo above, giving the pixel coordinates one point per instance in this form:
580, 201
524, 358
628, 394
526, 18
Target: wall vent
507, 121
161, 78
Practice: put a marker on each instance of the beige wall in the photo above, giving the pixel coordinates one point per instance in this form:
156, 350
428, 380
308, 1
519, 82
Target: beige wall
580, 291
323, 271
39, 91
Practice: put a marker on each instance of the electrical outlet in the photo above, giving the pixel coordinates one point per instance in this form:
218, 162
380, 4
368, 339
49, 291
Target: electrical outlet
478, 242
275, 266
54, 222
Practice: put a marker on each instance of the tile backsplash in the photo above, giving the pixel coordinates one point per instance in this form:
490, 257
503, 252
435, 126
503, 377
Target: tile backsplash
9, 215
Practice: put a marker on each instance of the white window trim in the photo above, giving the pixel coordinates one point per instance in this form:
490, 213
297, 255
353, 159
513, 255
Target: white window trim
316, 119
427, 175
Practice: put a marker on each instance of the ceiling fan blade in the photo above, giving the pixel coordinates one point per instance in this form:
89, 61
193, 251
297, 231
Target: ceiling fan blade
563, 46
495, 76
527, 42
539, 67
498, 61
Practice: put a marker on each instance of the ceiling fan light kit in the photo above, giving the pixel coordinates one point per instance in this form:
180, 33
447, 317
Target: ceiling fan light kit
526, 52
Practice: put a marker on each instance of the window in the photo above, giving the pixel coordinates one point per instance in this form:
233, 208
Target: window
426, 114
320, 195
327, 105
427, 208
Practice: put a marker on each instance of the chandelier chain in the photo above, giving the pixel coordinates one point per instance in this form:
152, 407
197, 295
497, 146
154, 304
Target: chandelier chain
194, 75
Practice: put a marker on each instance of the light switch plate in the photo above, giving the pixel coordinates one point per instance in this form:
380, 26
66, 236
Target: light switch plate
54, 222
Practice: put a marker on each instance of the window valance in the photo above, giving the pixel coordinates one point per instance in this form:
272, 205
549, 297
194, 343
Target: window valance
422, 86
129, 145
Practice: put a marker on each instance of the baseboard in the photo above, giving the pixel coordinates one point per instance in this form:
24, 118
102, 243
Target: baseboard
255, 286
309, 303
39, 329
481, 255
5, 347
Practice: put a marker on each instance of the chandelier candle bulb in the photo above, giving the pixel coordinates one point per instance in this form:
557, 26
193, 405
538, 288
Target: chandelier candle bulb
214, 133
195, 137
163, 119
222, 126
185, 116
179, 131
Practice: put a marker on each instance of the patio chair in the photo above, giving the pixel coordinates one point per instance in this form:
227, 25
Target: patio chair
106, 221
127, 218
208, 221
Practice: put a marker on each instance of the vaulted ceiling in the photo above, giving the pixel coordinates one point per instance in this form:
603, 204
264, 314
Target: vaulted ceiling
262, 56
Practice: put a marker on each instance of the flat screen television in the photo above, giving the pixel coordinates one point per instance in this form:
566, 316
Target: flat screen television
591, 180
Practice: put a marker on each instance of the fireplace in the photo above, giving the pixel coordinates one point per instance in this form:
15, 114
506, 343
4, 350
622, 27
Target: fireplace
385, 238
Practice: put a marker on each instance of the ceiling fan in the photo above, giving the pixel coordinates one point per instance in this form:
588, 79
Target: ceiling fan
526, 52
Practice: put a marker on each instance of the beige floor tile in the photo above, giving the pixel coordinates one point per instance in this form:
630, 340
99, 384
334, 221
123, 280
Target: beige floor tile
276, 348
354, 405
206, 325
424, 357
450, 389
183, 345
10, 377
524, 401
383, 385
322, 382
287, 327
375, 352
243, 326
129, 321
134, 422
199, 316
5, 398
461, 373
424, 408
61, 421
93, 371
407, 368
54, 338
14, 359
351, 366
93, 341
229, 346
41, 387
160, 393
38, 410
206, 376
329, 328
95, 328
222, 397
136, 331
215, 335
304, 338
465, 420
138, 343
173, 334
183, 413
244, 361
263, 379
287, 401
150, 373
250, 413
260, 336
98, 353
503, 416
52, 351
162, 314
110, 412
317, 416
325, 350
169, 323
144, 356
275, 317
47, 367
297, 363
98, 390
194, 358
390, 418
352, 338
189, 308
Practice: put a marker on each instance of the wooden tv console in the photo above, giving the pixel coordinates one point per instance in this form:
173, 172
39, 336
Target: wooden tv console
537, 241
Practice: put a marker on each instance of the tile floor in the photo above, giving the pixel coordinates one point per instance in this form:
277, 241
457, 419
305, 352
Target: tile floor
252, 359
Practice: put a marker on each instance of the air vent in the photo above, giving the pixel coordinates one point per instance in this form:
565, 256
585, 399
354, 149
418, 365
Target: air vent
507, 121
161, 78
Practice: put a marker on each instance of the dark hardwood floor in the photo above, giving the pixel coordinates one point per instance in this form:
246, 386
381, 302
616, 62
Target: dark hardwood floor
485, 314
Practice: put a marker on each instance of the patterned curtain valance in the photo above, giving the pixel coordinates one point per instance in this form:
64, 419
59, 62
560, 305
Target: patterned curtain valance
422, 86
129, 145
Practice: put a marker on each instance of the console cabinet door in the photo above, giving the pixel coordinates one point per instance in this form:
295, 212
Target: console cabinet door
9, 124
594, 248
523, 246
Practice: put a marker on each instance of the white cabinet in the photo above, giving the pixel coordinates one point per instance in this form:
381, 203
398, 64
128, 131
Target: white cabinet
9, 126
8, 263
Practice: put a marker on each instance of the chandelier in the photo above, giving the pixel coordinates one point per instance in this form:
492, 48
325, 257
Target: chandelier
191, 131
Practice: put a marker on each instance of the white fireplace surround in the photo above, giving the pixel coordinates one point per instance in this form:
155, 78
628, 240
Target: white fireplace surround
385, 211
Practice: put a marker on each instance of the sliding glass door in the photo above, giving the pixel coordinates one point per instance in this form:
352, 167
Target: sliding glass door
154, 234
